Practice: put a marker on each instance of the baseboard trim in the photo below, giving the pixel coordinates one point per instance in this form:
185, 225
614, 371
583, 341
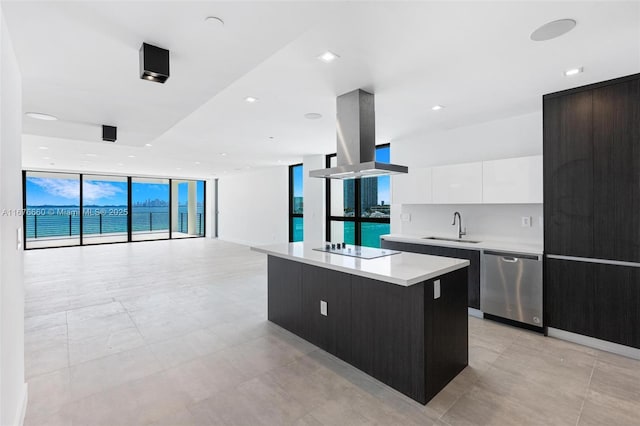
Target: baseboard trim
22, 408
592, 342
473, 312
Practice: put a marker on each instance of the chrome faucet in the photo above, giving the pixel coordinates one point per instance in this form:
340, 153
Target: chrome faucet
460, 231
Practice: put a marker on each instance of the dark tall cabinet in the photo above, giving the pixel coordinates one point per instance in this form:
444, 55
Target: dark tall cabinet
592, 210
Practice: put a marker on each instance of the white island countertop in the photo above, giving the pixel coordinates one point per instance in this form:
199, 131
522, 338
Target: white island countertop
403, 269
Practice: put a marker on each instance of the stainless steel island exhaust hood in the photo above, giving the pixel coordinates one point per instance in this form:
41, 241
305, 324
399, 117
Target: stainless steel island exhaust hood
356, 153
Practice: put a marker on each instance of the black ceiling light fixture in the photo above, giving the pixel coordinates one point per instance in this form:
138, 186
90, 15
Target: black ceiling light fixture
154, 63
109, 133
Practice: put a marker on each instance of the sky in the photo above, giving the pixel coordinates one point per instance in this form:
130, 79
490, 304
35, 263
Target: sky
382, 155
60, 192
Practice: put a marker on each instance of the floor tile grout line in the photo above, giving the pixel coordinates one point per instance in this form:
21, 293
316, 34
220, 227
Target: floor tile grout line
513, 342
586, 395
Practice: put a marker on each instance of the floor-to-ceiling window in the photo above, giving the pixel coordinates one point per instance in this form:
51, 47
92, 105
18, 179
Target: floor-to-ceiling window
66, 209
52, 209
296, 203
149, 209
105, 210
359, 209
187, 208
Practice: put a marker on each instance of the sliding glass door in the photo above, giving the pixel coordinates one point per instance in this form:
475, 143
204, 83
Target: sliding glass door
52, 215
105, 212
149, 209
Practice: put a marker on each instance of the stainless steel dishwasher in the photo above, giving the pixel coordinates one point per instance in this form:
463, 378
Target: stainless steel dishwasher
512, 286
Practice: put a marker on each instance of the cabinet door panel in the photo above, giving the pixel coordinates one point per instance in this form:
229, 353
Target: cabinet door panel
597, 300
284, 299
568, 175
457, 184
512, 180
333, 331
616, 142
413, 187
388, 334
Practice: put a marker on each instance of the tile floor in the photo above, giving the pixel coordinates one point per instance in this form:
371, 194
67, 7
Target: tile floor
175, 333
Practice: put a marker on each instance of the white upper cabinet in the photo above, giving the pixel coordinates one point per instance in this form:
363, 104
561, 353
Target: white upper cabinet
413, 187
457, 184
512, 181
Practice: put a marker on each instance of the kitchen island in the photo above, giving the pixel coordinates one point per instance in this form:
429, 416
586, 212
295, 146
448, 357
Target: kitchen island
401, 318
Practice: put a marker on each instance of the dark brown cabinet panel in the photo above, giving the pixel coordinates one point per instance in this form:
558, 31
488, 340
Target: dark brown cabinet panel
447, 330
568, 174
333, 331
388, 329
473, 256
616, 179
593, 299
284, 298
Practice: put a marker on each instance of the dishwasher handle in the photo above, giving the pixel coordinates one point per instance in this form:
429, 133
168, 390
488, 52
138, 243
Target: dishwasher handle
512, 255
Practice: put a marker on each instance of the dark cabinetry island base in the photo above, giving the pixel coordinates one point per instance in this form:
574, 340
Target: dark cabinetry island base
401, 335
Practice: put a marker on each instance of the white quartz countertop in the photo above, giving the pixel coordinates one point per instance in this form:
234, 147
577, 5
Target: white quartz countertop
403, 269
508, 246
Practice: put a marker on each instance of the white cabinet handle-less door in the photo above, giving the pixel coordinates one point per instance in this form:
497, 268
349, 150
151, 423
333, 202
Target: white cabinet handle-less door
458, 184
413, 187
512, 181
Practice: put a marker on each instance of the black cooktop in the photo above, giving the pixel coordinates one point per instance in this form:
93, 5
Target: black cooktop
356, 251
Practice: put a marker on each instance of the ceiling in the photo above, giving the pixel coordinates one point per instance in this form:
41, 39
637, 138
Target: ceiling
475, 58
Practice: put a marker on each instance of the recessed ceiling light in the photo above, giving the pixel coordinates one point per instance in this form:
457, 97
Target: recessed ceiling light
131, 156
148, 145
178, 168
312, 116
46, 158
437, 107
41, 116
251, 99
197, 162
216, 21
328, 57
553, 29
573, 71
43, 147
224, 154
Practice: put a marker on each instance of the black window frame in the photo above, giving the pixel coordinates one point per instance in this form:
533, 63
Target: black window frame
357, 218
293, 215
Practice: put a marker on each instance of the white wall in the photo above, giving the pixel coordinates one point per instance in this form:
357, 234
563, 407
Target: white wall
314, 200
13, 391
506, 138
254, 207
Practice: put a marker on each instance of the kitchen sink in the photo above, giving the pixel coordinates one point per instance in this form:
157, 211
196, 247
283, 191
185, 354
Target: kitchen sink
455, 240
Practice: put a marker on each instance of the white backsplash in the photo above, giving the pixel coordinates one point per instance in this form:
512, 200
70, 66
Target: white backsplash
500, 222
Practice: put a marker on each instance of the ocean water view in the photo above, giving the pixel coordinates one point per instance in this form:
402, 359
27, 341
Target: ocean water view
48, 221
370, 232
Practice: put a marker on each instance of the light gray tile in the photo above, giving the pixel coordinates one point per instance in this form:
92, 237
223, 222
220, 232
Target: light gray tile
205, 353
